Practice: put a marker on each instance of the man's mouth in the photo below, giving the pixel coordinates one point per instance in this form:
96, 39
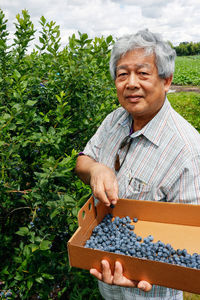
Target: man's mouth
133, 98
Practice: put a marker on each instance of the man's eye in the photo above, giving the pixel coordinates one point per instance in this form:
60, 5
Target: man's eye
144, 73
122, 74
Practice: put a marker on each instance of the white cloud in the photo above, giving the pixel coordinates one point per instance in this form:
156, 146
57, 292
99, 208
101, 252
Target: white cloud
176, 20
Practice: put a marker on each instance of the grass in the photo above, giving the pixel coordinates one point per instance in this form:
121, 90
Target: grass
187, 104
187, 70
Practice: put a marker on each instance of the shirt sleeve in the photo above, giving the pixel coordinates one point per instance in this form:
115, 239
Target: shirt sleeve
186, 188
95, 144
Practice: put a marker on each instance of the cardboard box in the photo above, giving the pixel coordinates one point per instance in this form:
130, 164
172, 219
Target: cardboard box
177, 224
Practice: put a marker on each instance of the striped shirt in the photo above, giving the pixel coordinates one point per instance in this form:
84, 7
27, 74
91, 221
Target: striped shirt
162, 164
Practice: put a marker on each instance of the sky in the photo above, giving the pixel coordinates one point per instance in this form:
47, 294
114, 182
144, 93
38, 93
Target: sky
176, 20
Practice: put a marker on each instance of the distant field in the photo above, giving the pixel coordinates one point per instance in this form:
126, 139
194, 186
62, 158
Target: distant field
187, 105
187, 70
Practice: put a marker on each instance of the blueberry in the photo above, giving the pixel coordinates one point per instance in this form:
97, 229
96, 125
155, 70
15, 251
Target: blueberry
118, 237
128, 219
150, 237
131, 227
132, 252
139, 239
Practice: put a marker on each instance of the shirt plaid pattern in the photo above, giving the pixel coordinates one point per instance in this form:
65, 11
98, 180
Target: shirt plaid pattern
162, 164
111, 292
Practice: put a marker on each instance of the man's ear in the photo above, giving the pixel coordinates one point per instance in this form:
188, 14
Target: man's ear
167, 83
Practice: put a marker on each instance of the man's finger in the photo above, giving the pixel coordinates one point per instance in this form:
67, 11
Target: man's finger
112, 191
118, 273
120, 279
107, 276
116, 189
95, 273
144, 285
99, 193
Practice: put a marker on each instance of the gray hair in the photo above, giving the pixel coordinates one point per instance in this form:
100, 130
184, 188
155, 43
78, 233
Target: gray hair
151, 43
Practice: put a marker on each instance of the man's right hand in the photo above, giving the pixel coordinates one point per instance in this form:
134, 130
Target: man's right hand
101, 179
104, 184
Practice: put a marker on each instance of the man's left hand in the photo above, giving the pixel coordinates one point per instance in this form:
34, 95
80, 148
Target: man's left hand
118, 278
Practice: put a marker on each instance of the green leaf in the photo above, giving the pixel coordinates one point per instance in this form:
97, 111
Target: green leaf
19, 277
29, 283
17, 259
16, 94
109, 39
31, 103
34, 247
47, 276
39, 279
44, 245
27, 251
23, 231
43, 20
42, 41
16, 74
5, 271
6, 116
12, 126
18, 107
24, 84
54, 214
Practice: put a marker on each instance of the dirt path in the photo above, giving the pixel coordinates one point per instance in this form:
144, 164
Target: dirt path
183, 88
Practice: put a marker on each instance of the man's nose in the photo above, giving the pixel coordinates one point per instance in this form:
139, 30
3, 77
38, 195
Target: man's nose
132, 81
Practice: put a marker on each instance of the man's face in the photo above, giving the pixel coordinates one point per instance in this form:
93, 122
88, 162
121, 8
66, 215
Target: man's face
139, 88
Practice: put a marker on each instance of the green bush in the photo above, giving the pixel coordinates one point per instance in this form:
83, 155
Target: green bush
51, 102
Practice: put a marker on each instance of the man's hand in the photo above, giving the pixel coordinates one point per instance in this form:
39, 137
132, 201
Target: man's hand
104, 184
101, 179
118, 278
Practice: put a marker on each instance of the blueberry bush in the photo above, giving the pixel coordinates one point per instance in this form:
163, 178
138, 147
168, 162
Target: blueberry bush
51, 101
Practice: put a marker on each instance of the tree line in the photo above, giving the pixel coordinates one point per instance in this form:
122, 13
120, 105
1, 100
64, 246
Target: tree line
187, 48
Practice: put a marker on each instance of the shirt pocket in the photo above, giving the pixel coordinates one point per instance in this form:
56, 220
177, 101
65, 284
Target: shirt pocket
137, 189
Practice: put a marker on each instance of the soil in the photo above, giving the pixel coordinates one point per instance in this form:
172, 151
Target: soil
183, 88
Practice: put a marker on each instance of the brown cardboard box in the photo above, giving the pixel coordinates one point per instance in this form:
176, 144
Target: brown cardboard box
177, 224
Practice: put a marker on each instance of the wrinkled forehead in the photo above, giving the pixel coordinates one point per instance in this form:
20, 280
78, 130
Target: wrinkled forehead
145, 51
138, 57
137, 66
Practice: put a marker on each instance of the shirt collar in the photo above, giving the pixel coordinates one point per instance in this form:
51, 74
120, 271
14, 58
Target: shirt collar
153, 129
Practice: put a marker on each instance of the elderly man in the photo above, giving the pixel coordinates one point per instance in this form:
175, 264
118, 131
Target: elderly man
143, 150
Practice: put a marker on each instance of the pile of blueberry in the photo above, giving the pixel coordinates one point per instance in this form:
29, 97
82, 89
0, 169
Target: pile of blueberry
118, 236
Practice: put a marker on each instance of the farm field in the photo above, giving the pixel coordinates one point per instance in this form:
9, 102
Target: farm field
187, 104
187, 70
